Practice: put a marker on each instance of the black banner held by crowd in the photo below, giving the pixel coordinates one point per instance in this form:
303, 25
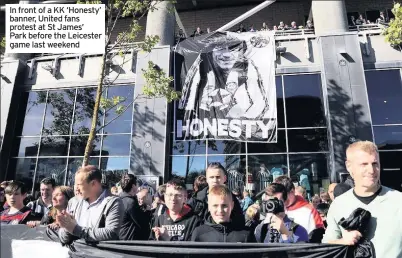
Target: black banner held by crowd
41, 242
228, 87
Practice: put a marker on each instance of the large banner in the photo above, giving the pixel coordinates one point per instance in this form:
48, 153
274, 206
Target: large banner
228, 88
19, 241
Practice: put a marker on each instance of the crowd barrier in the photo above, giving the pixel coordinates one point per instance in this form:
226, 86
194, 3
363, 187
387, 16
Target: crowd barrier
19, 241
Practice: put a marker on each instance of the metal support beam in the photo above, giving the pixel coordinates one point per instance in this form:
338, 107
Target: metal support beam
32, 68
246, 15
366, 51
56, 67
307, 47
81, 65
179, 23
134, 60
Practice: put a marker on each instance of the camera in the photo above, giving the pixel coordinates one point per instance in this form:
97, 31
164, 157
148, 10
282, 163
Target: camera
274, 206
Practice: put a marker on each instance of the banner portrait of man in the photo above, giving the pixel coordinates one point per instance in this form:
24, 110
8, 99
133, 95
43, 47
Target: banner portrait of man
229, 89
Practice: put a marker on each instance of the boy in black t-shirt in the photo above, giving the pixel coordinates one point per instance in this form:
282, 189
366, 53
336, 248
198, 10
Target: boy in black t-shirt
179, 221
17, 213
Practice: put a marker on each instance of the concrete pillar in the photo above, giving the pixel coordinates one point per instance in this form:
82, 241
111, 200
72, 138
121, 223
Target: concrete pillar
344, 85
150, 134
329, 16
161, 22
12, 74
16, 56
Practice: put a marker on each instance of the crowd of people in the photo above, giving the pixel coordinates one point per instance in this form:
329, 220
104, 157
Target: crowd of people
264, 27
214, 213
353, 21
360, 20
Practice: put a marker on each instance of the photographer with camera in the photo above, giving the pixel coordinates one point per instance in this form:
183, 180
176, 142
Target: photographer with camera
277, 227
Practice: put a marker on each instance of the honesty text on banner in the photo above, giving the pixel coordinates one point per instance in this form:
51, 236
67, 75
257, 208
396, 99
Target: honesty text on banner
55, 28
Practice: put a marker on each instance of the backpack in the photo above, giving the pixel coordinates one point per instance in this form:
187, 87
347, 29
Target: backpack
34, 205
200, 208
264, 230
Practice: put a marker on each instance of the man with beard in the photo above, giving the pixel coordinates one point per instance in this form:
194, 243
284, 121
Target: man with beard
179, 221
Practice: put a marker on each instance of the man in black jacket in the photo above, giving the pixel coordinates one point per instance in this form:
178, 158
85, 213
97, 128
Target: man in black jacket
216, 175
219, 227
179, 221
136, 221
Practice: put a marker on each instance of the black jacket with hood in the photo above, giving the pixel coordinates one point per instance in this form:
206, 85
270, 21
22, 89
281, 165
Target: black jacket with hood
136, 222
199, 204
226, 233
179, 230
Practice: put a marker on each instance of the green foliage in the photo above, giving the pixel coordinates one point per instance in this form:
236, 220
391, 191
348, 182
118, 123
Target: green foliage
2, 45
129, 36
149, 43
114, 101
393, 33
158, 84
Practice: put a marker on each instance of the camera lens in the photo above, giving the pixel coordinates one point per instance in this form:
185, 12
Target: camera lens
270, 206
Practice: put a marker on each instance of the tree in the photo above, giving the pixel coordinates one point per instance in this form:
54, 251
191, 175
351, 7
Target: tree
2, 45
393, 32
158, 84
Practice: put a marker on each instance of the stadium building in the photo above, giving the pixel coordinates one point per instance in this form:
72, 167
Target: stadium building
335, 83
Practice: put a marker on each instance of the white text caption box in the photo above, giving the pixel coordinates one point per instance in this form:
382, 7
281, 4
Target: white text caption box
55, 28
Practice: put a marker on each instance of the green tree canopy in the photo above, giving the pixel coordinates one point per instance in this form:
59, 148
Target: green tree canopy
393, 33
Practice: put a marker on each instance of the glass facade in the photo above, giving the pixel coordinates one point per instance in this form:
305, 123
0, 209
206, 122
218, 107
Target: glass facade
384, 88
52, 131
301, 151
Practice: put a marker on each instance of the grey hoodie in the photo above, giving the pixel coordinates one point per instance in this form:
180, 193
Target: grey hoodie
108, 221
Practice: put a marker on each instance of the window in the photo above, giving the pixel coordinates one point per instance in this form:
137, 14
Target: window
302, 137
54, 127
372, 16
304, 101
391, 169
384, 89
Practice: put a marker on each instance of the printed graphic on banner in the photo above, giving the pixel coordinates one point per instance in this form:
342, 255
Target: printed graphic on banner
55, 28
228, 87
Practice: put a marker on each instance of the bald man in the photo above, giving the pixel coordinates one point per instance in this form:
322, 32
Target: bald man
384, 229
331, 188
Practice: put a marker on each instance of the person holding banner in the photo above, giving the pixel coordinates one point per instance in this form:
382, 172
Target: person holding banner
97, 216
